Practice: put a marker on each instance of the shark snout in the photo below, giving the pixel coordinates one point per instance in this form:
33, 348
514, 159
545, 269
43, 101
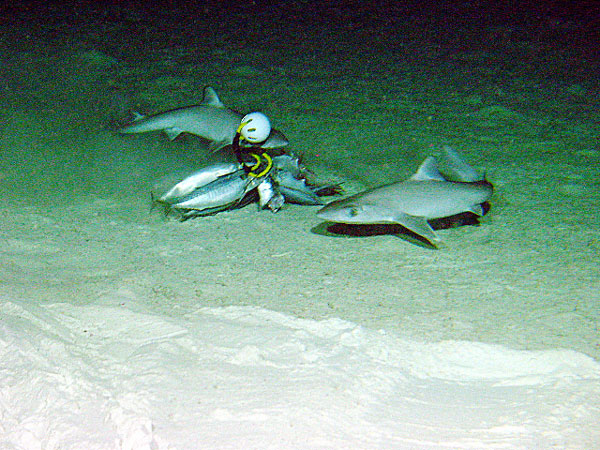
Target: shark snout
340, 211
324, 212
328, 211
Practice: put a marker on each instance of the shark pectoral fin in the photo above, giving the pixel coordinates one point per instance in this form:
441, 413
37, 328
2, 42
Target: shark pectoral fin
417, 225
172, 133
214, 146
477, 209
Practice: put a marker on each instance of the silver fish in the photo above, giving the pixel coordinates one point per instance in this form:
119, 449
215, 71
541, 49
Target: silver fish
290, 163
197, 179
269, 195
297, 183
224, 193
296, 190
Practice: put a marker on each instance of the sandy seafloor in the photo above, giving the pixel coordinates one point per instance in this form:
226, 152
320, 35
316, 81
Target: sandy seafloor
120, 329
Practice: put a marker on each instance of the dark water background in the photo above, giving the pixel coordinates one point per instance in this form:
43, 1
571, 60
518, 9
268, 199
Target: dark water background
360, 88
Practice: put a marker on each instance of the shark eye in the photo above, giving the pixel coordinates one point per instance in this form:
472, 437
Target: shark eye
353, 211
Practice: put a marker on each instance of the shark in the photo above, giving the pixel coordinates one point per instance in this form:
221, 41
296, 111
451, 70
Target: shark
210, 120
426, 195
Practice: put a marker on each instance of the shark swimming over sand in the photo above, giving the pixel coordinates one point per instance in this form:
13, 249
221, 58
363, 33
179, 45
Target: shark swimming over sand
426, 195
211, 120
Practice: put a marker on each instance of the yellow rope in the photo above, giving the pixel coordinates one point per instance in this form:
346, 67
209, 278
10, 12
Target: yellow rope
257, 165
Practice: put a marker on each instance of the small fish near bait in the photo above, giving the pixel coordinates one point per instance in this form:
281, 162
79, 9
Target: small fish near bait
197, 179
216, 188
291, 176
227, 186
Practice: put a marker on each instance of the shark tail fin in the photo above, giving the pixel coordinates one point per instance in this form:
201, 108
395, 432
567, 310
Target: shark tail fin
157, 202
137, 116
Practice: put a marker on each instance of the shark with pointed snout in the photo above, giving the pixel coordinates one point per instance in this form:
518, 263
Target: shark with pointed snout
210, 120
426, 195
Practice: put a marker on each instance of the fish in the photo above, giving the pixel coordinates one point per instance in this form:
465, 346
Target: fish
269, 195
426, 195
290, 176
210, 120
224, 186
197, 179
209, 191
295, 190
225, 190
290, 163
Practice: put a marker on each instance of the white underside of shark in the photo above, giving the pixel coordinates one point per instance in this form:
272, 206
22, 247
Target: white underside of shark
411, 203
210, 120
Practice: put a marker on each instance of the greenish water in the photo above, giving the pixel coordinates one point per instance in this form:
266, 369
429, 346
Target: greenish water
363, 94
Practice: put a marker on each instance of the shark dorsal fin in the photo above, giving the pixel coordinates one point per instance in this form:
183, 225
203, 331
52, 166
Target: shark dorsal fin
428, 171
211, 98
